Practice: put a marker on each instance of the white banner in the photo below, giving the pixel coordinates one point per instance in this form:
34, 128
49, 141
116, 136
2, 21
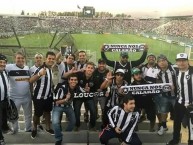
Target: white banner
124, 47
147, 89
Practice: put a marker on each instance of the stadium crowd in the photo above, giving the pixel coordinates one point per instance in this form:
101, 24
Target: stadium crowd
83, 82
160, 27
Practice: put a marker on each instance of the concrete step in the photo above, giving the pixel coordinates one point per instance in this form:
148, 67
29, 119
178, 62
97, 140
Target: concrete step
141, 126
96, 144
81, 137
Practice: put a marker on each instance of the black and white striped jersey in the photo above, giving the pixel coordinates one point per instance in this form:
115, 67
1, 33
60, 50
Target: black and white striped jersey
3, 85
61, 93
185, 87
63, 67
126, 121
114, 97
169, 76
79, 65
43, 86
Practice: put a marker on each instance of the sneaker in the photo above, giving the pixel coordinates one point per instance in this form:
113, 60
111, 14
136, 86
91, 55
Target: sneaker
160, 131
40, 127
86, 117
59, 142
50, 131
11, 132
28, 130
33, 134
2, 142
173, 142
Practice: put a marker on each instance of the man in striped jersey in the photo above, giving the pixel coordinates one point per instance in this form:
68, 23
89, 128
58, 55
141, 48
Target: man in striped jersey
114, 83
63, 103
185, 98
43, 97
165, 100
3, 93
122, 122
19, 88
65, 66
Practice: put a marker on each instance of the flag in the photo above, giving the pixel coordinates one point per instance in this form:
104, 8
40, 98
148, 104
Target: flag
78, 7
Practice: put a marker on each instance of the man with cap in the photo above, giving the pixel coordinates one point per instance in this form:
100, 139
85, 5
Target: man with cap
184, 103
3, 94
165, 100
114, 83
99, 76
144, 101
124, 63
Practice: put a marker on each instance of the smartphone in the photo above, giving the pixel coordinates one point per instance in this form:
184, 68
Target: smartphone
63, 50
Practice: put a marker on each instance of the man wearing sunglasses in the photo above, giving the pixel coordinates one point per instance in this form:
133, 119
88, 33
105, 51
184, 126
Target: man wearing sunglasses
114, 83
124, 63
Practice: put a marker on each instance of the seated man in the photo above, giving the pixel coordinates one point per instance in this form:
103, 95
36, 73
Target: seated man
63, 103
123, 120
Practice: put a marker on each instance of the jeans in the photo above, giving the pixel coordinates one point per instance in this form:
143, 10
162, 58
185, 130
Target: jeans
77, 103
2, 107
56, 120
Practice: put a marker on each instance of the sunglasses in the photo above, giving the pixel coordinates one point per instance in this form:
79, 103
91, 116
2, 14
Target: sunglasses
125, 57
120, 74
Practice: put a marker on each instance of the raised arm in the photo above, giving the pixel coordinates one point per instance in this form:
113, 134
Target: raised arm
108, 62
142, 58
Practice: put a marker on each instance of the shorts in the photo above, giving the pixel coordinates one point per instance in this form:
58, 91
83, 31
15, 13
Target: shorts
42, 105
164, 103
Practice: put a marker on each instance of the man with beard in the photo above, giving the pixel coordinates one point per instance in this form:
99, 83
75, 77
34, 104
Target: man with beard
144, 101
124, 63
99, 76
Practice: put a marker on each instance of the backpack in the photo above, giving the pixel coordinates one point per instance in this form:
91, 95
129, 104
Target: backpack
12, 113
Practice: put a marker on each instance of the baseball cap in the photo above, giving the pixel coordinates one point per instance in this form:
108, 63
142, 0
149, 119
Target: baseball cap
122, 54
182, 56
38, 55
120, 71
161, 56
101, 60
151, 54
135, 71
3, 57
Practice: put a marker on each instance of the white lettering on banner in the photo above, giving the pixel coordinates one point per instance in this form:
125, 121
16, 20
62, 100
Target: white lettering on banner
147, 89
124, 47
88, 95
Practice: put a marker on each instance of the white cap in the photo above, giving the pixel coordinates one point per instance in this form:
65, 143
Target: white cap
120, 71
38, 55
182, 56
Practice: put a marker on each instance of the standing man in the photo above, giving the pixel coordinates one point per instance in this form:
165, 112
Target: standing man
144, 101
3, 93
63, 103
165, 100
87, 87
99, 76
124, 63
122, 123
19, 89
185, 98
43, 97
